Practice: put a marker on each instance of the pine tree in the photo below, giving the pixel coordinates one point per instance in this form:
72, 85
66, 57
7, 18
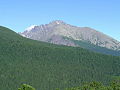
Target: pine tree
26, 87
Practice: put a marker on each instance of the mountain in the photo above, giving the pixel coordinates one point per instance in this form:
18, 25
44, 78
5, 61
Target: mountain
47, 66
58, 32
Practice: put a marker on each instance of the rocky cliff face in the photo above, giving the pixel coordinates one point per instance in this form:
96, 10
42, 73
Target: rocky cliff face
57, 31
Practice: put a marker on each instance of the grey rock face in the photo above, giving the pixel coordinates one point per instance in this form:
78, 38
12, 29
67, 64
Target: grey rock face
56, 31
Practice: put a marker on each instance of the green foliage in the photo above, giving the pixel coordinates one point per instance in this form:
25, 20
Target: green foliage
47, 66
115, 85
97, 86
95, 48
26, 87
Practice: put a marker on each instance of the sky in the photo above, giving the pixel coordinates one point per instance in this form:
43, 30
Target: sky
102, 15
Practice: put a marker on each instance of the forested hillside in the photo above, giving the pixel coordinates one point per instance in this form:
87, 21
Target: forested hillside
47, 66
114, 85
95, 48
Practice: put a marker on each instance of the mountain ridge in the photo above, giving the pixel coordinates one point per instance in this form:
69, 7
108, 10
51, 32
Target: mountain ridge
55, 32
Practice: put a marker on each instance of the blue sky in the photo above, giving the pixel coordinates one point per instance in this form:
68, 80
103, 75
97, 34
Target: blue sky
102, 15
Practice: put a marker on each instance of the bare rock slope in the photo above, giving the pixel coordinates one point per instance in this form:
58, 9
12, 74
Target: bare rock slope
57, 31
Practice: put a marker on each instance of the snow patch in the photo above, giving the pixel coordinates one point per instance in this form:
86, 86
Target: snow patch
57, 22
30, 28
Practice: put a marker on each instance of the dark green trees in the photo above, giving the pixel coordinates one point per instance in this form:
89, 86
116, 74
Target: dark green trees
26, 87
47, 66
115, 85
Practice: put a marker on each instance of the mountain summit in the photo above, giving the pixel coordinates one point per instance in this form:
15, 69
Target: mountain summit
56, 22
59, 32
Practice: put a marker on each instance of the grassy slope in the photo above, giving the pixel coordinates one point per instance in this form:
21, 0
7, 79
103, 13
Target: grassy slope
46, 66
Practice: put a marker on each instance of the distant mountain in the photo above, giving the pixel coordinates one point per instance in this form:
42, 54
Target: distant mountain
47, 66
58, 32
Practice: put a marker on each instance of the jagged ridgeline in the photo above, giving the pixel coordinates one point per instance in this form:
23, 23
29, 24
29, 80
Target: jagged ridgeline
46, 66
61, 33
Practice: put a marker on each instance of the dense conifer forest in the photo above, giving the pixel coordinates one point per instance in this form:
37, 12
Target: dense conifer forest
114, 85
47, 67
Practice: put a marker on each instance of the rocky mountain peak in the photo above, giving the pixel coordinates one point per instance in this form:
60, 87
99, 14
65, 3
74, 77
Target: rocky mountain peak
57, 22
56, 32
